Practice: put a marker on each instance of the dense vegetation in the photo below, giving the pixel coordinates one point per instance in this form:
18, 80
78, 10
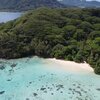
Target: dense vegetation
71, 34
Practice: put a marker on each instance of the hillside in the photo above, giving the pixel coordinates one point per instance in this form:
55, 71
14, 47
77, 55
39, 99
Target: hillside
81, 3
23, 5
71, 34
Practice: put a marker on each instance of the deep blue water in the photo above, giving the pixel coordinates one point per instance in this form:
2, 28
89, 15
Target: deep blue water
7, 16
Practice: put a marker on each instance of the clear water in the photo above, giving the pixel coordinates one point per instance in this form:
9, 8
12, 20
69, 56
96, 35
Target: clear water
7, 16
37, 79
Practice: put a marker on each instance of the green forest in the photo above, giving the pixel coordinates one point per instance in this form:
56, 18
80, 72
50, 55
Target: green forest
70, 34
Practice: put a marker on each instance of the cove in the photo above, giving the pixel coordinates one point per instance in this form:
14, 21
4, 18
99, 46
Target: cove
7, 16
45, 79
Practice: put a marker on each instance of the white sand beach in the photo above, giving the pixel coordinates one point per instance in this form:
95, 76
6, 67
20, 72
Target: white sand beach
71, 65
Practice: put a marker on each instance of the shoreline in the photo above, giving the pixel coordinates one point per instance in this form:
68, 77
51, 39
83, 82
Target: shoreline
71, 65
62, 64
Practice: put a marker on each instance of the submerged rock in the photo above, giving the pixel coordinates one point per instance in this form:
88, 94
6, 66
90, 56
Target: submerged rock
52, 93
42, 89
2, 67
13, 65
35, 94
27, 99
9, 80
2, 92
98, 89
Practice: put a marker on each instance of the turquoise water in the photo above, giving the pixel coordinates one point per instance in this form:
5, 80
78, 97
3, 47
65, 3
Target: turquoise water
37, 79
7, 16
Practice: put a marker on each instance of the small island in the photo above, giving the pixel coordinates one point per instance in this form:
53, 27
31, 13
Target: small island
67, 33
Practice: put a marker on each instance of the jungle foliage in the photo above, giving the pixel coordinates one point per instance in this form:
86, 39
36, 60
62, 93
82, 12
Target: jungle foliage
70, 34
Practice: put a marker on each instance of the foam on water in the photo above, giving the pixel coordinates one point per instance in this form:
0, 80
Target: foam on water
38, 79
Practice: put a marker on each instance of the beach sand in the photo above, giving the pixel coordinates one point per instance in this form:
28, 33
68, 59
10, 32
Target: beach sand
71, 65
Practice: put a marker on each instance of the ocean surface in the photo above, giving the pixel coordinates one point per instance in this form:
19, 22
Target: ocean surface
40, 79
7, 16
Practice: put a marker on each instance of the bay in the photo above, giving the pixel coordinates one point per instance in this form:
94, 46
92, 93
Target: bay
42, 79
7, 16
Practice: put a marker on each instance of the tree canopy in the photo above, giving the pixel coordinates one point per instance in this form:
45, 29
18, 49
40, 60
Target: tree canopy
71, 34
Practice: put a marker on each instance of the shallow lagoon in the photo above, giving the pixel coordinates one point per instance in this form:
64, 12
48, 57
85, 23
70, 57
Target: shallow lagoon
7, 16
38, 79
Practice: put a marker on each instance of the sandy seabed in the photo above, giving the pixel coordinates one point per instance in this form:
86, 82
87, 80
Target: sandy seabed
47, 79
